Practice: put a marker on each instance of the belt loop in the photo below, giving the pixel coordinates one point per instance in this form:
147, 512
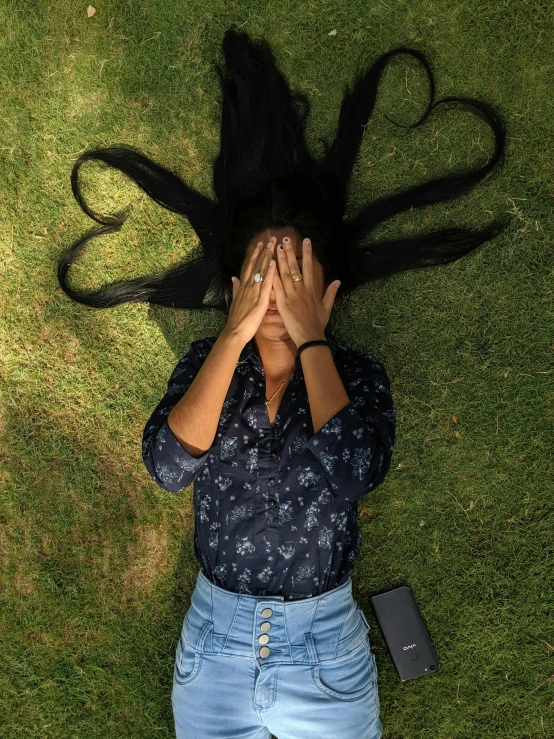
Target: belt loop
312, 653
362, 614
208, 626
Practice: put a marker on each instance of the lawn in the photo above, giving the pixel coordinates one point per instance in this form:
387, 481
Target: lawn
97, 562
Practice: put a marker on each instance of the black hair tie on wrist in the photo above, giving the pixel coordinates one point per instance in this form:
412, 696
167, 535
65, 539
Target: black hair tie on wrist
312, 343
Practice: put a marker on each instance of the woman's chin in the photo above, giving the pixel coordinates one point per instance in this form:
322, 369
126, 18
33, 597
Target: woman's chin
274, 329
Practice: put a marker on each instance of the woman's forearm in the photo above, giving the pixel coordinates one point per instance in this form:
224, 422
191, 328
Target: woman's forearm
194, 419
326, 393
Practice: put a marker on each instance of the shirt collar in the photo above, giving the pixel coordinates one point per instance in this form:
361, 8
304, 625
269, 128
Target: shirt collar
250, 351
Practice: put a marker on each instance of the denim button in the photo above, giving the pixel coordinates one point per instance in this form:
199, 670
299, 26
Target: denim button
265, 652
265, 626
264, 638
267, 612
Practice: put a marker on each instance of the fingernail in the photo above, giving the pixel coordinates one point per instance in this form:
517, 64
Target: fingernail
306, 241
280, 247
286, 240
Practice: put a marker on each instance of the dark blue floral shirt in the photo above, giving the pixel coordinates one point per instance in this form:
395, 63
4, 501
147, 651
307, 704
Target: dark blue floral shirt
275, 508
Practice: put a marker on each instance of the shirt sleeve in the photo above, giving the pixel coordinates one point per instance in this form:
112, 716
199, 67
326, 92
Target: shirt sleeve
170, 466
354, 447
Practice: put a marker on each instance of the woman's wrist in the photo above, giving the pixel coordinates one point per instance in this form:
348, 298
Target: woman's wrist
233, 337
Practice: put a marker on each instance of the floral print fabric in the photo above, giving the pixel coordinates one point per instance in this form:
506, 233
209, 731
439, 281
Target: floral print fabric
275, 508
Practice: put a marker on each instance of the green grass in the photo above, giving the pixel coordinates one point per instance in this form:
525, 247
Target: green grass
97, 563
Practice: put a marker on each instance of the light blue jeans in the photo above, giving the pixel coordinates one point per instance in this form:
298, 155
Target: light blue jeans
251, 666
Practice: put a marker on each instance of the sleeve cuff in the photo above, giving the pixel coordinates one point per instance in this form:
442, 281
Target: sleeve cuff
175, 467
322, 442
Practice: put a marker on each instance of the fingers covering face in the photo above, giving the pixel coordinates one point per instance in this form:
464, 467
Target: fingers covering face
260, 259
289, 263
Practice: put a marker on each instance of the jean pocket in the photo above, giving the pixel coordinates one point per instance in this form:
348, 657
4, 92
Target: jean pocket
348, 677
187, 662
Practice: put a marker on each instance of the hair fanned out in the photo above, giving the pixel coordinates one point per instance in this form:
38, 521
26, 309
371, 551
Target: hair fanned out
264, 177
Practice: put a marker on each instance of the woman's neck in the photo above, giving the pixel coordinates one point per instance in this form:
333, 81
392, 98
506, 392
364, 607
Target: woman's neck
278, 358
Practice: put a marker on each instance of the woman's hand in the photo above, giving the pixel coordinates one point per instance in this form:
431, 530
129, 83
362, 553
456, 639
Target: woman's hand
251, 299
305, 316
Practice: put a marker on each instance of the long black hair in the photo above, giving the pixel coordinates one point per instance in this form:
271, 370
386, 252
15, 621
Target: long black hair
265, 177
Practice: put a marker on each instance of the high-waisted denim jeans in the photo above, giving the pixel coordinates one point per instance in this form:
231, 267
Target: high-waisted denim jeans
251, 666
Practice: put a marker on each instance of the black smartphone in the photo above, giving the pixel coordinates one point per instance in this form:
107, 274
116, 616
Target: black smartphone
404, 632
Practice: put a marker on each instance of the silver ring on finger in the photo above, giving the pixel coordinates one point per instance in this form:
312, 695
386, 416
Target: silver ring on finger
259, 277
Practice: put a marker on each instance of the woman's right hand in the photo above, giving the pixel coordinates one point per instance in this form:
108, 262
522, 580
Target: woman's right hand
250, 298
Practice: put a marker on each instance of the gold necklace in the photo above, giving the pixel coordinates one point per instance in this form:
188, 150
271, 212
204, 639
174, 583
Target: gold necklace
267, 402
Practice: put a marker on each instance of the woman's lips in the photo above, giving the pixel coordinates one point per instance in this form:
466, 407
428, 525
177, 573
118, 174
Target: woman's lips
271, 312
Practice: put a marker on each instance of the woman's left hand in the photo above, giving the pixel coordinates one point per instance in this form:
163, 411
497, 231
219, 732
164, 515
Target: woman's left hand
305, 316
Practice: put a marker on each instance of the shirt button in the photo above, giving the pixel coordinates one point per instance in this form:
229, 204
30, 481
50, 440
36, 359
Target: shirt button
273, 455
271, 481
272, 503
